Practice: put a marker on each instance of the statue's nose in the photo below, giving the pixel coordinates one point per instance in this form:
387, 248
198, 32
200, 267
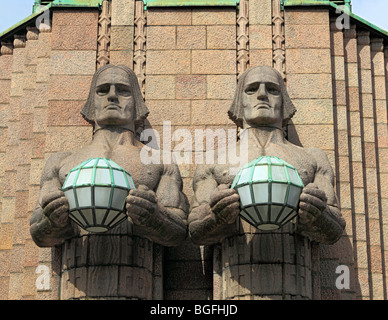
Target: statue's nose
262, 92
112, 95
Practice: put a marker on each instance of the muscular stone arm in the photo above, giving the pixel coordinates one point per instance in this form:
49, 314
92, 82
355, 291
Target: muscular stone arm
166, 220
327, 225
49, 224
210, 224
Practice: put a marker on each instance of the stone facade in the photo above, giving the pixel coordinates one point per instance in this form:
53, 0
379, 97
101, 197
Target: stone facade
188, 61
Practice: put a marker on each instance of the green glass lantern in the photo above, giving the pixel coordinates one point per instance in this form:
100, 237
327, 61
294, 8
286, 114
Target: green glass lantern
269, 190
96, 190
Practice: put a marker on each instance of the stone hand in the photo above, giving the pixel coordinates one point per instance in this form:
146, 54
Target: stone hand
225, 204
141, 205
312, 204
56, 207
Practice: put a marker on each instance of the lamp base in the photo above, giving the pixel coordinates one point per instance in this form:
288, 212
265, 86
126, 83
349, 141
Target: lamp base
97, 229
268, 227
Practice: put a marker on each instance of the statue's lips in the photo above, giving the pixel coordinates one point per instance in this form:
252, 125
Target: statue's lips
262, 106
112, 107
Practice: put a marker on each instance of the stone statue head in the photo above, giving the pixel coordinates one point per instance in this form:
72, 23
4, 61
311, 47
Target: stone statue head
115, 99
261, 98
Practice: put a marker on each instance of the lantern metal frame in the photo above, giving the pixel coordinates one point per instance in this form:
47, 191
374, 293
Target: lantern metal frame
94, 211
260, 212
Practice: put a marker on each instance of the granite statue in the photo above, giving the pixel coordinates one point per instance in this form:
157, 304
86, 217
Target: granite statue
262, 108
157, 208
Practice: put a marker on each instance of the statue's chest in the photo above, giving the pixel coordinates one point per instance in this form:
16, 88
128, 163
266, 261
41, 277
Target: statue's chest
148, 175
302, 161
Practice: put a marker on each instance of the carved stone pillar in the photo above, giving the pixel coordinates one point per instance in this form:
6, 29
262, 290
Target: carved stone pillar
104, 34
258, 265
242, 38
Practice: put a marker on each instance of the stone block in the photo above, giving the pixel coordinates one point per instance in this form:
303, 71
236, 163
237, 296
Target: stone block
260, 12
221, 37
65, 113
65, 87
8, 210
168, 17
124, 57
364, 57
313, 111
356, 149
73, 37
122, 38
308, 61
43, 70
5, 67
307, 17
366, 81
67, 138
367, 105
358, 177
354, 99
213, 62
207, 112
378, 63
19, 56
310, 86
161, 37
160, 87
123, 12
38, 145
25, 126
312, 136
379, 87
260, 36
40, 119
261, 57
221, 86
75, 17
369, 130
5, 91
17, 84
351, 50
190, 87
36, 171
314, 36
214, 16
6, 236
73, 62
176, 111
352, 74
15, 286
168, 62
191, 37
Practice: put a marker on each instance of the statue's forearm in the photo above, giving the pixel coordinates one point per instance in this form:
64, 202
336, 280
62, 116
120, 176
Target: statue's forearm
45, 234
205, 229
167, 226
326, 229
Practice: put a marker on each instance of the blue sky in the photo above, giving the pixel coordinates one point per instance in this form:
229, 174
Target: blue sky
374, 11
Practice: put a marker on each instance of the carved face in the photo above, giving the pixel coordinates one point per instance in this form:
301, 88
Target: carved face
262, 99
114, 101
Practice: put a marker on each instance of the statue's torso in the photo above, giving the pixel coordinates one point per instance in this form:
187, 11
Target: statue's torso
127, 156
296, 156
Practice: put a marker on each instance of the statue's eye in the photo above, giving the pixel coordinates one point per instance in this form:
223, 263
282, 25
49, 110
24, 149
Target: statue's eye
251, 89
103, 90
123, 90
273, 90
